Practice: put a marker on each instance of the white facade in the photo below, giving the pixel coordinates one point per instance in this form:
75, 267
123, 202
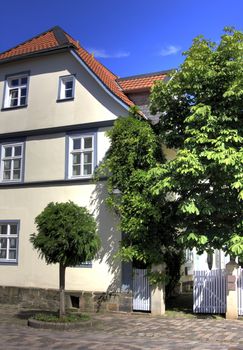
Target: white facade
44, 172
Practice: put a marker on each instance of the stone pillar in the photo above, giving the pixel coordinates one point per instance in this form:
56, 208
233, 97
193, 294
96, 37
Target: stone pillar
231, 290
158, 295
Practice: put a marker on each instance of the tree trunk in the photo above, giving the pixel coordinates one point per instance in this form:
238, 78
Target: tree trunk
62, 290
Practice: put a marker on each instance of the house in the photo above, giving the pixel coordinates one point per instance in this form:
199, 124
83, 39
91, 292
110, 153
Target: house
58, 102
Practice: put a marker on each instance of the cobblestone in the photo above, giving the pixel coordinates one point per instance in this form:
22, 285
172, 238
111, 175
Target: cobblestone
122, 331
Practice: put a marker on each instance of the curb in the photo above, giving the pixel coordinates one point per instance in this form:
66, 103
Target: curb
58, 325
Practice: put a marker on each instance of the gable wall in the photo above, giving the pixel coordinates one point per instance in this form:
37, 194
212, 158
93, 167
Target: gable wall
91, 102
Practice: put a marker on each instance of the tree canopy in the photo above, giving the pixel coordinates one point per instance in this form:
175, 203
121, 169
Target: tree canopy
147, 221
66, 234
195, 199
201, 115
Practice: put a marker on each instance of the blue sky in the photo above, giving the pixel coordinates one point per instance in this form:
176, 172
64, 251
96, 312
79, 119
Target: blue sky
128, 36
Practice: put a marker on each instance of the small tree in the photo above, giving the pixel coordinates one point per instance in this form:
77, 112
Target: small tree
66, 235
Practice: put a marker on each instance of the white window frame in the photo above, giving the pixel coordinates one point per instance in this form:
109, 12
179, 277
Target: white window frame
81, 151
18, 88
12, 158
62, 87
8, 236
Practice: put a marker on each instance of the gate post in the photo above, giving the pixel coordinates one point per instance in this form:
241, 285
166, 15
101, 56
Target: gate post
158, 294
231, 290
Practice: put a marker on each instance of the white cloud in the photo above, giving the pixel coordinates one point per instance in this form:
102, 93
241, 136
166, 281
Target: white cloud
101, 53
169, 50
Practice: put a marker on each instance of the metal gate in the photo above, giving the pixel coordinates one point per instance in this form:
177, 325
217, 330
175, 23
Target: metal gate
209, 291
141, 290
240, 291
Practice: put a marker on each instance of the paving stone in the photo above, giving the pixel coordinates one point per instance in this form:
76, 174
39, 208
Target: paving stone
121, 331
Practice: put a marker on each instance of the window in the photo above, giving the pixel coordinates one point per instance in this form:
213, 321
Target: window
66, 88
86, 264
9, 236
81, 156
11, 162
16, 91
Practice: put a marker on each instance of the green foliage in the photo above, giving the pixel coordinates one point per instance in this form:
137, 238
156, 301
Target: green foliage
69, 318
146, 219
66, 234
201, 110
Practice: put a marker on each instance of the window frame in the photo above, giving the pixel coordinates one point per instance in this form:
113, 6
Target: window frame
69, 154
7, 88
62, 89
12, 158
8, 236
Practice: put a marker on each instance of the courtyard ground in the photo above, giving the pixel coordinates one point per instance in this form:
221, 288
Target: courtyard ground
122, 331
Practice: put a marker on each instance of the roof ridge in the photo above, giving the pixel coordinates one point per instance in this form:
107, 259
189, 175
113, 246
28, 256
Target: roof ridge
60, 35
34, 37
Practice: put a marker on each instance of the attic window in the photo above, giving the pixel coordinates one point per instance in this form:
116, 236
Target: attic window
66, 88
16, 91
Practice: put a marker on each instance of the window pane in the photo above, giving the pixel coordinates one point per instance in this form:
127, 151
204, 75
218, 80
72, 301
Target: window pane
23, 92
16, 175
7, 164
88, 142
14, 82
17, 163
68, 93
24, 81
87, 169
77, 158
8, 151
87, 157
69, 84
6, 175
3, 243
3, 229
3, 254
76, 143
14, 93
13, 229
12, 254
17, 150
22, 101
76, 170
14, 102
12, 242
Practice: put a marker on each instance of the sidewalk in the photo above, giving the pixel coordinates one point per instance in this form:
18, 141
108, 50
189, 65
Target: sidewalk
123, 331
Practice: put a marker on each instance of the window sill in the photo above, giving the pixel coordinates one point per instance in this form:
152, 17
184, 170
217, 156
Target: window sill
14, 263
88, 177
65, 99
11, 182
15, 107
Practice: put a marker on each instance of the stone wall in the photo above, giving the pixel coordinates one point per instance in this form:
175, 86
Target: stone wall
49, 299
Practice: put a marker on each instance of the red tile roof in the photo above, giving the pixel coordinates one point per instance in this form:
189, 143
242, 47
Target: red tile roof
140, 83
42, 42
56, 38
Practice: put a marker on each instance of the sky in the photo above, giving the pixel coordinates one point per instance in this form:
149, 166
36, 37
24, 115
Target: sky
128, 36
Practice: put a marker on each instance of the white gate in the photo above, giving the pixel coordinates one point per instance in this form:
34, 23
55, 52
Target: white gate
209, 291
141, 290
240, 291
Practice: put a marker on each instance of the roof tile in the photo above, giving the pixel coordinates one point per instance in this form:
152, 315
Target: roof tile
143, 82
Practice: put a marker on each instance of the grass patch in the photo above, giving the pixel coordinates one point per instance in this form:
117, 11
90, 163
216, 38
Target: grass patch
181, 306
69, 318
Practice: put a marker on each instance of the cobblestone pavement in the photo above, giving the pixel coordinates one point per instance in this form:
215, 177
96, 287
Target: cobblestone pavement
120, 331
